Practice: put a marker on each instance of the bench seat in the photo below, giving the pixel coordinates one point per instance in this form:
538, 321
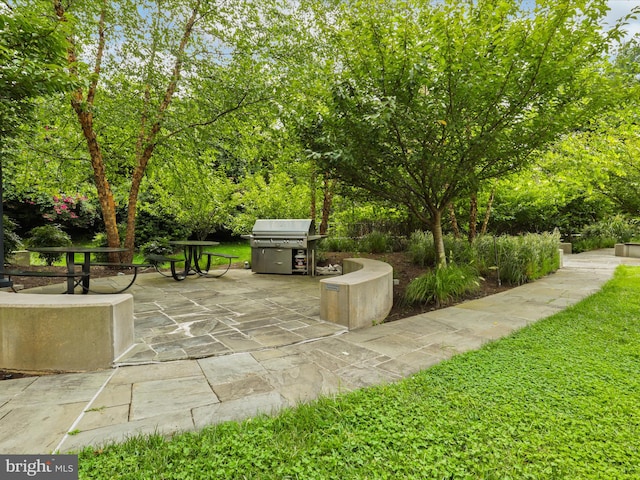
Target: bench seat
129, 266
362, 297
220, 255
68, 333
157, 260
628, 249
30, 273
80, 276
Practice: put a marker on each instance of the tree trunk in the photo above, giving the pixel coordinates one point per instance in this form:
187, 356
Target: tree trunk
487, 214
84, 111
327, 199
438, 239
454, 220
473, 216
313, 186
147, 140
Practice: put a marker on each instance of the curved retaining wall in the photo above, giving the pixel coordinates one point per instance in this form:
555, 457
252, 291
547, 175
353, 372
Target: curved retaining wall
361, 297
45, 332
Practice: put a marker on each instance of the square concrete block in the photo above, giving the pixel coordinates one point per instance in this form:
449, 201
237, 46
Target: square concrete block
41, 332
632, 250
565, 247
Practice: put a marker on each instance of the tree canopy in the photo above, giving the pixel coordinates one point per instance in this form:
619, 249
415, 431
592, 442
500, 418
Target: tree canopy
151, 57
428, 100
212, 113
32, 58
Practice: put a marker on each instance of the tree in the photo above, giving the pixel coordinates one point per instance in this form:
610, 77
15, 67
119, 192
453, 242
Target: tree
31, 65
431, 100
148, 56
155, 104
589, 175
32, 49
198, 194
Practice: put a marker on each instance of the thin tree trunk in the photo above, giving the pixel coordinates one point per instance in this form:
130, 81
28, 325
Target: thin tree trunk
313, 185
454, 220
149, 139
487, 214
438, 239
84, 111
473, 216
327, 200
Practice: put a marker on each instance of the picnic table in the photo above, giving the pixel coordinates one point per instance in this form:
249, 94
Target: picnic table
74, 278
194, 251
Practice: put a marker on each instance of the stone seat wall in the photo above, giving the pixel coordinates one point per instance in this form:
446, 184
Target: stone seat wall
361, 297
53, 333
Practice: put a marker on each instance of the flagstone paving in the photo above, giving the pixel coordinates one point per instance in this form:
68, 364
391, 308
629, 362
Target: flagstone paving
212, 350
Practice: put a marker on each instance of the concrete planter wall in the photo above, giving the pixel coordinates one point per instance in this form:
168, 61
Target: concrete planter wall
361, 297
40, 332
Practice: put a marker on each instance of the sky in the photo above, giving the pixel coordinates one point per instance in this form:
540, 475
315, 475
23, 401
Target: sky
620, 8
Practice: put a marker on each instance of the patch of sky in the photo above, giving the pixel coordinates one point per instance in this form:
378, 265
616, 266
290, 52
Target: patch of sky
619, 9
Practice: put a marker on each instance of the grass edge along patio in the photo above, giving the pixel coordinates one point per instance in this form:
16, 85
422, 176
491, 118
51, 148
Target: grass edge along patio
557, 399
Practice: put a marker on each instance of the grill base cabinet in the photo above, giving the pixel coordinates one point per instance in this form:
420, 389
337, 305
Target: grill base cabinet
283, 246
271, 260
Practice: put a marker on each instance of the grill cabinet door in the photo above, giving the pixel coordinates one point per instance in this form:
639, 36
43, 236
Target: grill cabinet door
271, 260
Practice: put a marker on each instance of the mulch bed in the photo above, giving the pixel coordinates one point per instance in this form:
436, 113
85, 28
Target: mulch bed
405, 271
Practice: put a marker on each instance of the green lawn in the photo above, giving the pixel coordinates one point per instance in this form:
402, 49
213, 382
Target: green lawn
241, 249
559, 399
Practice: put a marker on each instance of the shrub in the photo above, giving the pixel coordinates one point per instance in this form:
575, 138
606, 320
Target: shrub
421, 250
522, 259
100, 240
605, 234
159, 246
458, 250
48, 236
518, 259
485, 253
338, 244
351, 219
617, 227
12, 240
151, 225
376, 242
443, 285
72, 211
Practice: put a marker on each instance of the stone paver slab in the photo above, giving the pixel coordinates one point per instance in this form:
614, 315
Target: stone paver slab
98, 437
113, 394
158, 371
230, 368
158, 397
250, 385
304, 383
35, 429
61, 389
239, 342
103, 417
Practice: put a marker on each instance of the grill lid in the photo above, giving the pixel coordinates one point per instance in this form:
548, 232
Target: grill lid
282, 227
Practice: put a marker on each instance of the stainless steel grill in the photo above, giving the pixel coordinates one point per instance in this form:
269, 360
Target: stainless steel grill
283, 246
